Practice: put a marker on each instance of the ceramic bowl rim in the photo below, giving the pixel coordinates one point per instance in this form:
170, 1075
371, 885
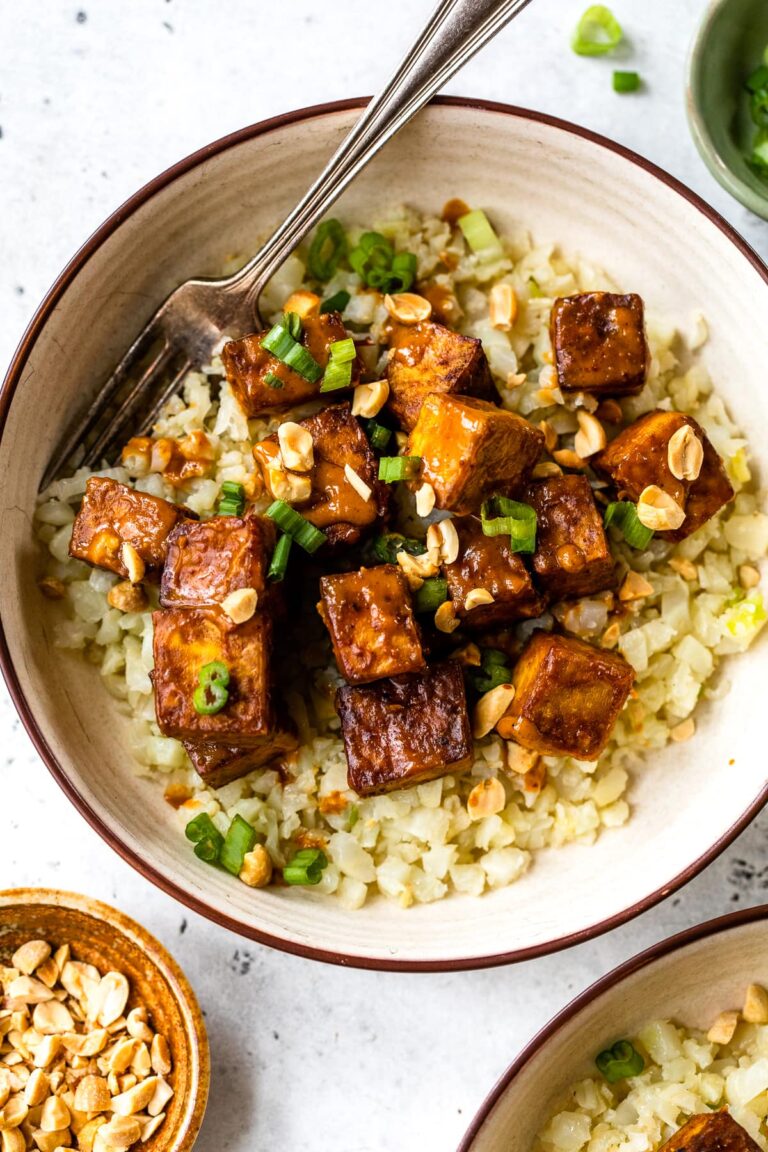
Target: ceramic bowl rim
699, 130
611, 980
26, 711
122, 925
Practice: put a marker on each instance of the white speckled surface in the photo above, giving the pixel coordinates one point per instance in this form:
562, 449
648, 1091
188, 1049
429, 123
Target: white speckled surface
94, 100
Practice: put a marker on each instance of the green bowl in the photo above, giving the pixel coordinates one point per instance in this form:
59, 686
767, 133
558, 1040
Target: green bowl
728, 47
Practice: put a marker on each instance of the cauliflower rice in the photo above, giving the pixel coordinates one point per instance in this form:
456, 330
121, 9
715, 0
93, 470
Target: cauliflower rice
420, 844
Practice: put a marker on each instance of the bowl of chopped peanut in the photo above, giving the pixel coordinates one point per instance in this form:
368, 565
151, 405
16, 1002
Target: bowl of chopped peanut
102, 1043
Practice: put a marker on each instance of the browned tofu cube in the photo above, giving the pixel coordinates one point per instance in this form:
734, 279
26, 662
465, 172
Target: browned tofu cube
711, 1132
471, 449
220, 764
208, 560
489, 563
262, 383
405, 731
572, 557
335, 505
429, 357
185, 640
639, 457
113, 514
369, 616
567, 697
598, 340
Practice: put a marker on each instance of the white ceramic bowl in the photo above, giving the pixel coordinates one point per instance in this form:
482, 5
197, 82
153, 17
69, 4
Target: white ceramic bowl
690, 979
566, 185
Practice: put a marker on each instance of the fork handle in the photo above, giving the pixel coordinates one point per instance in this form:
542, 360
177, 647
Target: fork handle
456, 30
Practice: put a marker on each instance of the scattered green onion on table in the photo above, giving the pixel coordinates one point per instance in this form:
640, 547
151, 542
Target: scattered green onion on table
597, 32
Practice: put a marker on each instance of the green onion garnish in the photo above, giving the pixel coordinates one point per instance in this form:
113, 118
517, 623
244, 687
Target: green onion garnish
296, 526
626, 81
283, 346
335, 303
379, 266
597, 32
619, 1062
343, 351
211, 694
273, 381
239, 840
205, 836
433, 593
328, 247
231, 499
501, 516
306, 867
292, 322
480, 236
338, 373
378, 435
401, 274
279, 561
393, 468
758, 79
493, 670
623, 514
386, 547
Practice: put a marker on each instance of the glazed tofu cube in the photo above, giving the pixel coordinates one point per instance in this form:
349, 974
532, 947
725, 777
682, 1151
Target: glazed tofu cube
489, 563
113, 514
262, 383
598, 340
470, 449
639, 456
711, 1132
572, 557
567, 697
429, 357
185, 640
208, 560
405, 731
369, 616
220, 764
335, 505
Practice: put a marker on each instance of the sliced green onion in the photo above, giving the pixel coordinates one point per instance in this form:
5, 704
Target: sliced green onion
378, 435
393, 468
619, 1062
231, 499
292, 322
342, 351
279, 562
386, 547
480, 236
758, 79
209, 848
328, 248
205, 836
433, 593
199, 827
379, 266
238, 842
229, 508
273, 381
597, 32
282, 345
296, 526
208, 699
335, 303
306, 867
623, 514
493, 671
402, 273
214, 673
501, 516
626, 81
336, 376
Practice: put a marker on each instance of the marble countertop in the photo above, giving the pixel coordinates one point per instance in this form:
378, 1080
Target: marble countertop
96, 97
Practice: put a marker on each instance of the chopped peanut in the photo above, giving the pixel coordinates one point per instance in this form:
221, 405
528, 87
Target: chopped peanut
486, 798
256, 871
723, 1028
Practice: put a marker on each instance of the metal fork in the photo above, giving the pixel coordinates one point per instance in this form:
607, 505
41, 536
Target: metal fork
187, 327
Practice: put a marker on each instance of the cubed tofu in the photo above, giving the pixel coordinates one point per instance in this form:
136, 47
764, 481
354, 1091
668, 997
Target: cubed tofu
428, 357
248, 365
638, 457
470, 449
208, 560
113, 514
489, 563
711, 1132
572, 557
220, 764
335, 505
598, 340
567, 697
185, 640
405, 731
369, 616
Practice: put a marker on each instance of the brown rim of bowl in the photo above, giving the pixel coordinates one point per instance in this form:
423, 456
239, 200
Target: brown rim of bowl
199, 1052
24, 709
611, 979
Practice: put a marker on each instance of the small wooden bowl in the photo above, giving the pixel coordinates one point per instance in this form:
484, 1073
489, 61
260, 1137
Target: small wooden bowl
102, 936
